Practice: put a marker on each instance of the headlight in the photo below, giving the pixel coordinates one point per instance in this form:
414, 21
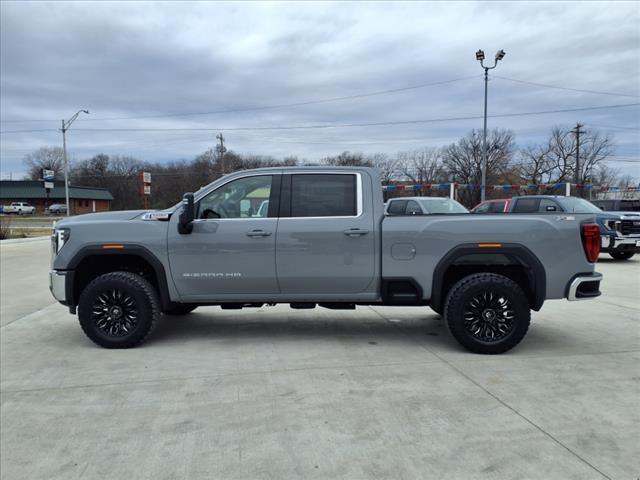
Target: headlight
610, 224
59, 238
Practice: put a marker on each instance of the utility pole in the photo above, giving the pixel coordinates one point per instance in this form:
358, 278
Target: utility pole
221, 150
577, 131
480, 57
65, 127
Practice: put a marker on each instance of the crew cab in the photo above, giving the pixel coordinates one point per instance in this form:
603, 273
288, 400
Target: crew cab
619, 231
19, 208
325, 241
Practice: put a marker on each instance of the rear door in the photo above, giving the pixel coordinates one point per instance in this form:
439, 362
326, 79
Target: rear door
326, 238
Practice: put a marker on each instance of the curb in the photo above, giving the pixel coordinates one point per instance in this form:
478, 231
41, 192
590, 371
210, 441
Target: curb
13, 241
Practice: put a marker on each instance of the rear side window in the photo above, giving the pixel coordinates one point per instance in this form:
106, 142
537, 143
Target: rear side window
526, 205
323, 195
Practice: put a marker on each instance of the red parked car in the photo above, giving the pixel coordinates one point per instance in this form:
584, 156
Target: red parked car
499, 205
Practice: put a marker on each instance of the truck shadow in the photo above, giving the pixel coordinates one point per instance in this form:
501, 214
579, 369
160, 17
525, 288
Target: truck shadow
282, 325
422, 330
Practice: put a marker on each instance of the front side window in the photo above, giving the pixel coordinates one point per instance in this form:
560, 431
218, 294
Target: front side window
578, 205
413, 208
547, 205
443, 206
497, 207
323, 195
246, 197
397, 207
482, 208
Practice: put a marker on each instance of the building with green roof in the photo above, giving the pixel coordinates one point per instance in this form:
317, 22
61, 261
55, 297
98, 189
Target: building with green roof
82, 199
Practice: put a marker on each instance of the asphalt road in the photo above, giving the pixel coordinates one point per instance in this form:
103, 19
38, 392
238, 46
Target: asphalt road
282, 394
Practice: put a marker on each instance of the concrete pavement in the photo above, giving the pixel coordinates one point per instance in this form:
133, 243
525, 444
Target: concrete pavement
279, 393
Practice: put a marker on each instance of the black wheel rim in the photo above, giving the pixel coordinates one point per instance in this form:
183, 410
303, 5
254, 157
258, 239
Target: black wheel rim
115, 313
489, 316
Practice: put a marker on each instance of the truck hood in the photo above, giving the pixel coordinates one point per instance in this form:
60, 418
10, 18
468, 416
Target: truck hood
620, 215
102, 217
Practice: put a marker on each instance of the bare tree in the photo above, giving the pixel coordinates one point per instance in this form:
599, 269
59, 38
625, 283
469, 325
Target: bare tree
595, 147
422, 165
463, 161
49, 158
534, 165
388, 167
347, 159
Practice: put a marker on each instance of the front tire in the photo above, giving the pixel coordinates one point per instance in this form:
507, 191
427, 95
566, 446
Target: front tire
118, 310
621, 255
487, 313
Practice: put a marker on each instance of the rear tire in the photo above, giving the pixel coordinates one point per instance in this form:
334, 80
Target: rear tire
487, 313
621, 255
179, 309
118, 310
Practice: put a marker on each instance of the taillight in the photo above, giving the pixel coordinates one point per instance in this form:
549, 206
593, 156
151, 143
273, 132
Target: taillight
591, 241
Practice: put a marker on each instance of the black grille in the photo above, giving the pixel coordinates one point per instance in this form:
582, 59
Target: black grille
630, 227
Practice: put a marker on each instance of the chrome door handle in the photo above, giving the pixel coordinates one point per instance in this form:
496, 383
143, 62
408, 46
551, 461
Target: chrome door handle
355, 232
258, 233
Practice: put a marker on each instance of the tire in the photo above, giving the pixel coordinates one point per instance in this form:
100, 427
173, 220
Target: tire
621, 255
133, 309
487, 313
180, 309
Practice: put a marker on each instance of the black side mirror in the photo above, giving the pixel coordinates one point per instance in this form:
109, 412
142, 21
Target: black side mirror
185, 222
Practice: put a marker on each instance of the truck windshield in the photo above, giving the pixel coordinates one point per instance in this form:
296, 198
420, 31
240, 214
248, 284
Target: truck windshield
578, 205
442, 205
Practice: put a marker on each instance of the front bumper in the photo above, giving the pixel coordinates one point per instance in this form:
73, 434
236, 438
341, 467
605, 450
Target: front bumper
58, 285
584, 287
620, 243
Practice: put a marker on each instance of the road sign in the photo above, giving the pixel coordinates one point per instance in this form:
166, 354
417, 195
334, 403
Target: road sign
147, 190
146, 177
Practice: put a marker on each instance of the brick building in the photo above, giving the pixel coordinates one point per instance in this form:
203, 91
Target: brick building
82, 199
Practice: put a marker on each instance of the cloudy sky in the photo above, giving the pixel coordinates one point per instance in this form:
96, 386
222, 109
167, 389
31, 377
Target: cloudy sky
160, 80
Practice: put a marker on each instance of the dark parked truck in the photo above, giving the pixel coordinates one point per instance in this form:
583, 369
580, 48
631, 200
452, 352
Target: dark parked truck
619, 231
323, 240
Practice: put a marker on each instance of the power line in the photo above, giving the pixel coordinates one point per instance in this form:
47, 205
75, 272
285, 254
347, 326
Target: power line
545, 85
348, 125
33, 131
269, 107
614, 127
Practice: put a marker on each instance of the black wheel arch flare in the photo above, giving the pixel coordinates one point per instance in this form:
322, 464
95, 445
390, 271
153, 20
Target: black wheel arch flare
517, 254
128, 249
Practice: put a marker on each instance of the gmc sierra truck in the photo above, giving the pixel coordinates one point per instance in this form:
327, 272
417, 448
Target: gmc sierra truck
323, 240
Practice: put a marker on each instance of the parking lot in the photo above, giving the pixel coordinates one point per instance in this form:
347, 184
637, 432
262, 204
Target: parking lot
280, 393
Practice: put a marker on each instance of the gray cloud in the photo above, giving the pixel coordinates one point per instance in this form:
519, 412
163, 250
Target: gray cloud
130, 59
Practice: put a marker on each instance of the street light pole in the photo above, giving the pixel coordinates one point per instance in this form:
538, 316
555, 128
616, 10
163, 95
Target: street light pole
483, 168
65, 127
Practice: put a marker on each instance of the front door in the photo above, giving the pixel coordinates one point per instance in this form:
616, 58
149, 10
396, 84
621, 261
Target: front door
231, 250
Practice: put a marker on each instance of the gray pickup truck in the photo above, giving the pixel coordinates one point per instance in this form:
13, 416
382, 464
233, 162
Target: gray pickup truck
322, 240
